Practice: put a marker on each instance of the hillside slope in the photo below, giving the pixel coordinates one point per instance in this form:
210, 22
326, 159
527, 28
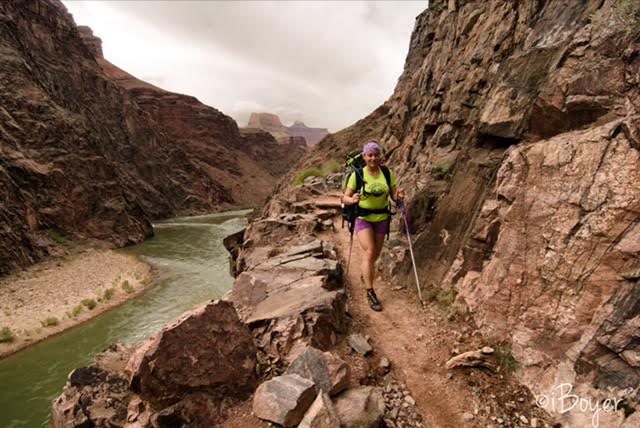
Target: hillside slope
515, 130
84, 157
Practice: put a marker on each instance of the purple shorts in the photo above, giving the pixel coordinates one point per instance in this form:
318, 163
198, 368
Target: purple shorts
379, 228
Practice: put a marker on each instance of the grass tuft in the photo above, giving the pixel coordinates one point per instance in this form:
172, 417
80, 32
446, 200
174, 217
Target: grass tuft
6, 335
446, 298
49, 322
127, 287
108, 293
89, 303
330, 167
502, 352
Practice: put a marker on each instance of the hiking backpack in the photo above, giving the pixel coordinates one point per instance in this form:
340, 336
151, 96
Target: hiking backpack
355, 164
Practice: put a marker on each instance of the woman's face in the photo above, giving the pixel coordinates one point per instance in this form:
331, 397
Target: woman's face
372, 159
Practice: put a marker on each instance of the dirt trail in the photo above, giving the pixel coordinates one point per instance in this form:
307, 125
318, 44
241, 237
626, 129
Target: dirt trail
418, 341
405, 334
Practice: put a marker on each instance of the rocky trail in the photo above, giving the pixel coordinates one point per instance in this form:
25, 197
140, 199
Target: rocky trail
410, 346
418, 341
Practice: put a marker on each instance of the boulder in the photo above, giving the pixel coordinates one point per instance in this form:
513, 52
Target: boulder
361, 407
207, 349
321, 414
97, 395
328, 371
254, 286
284, 399
359, 344
293, 301
316, 323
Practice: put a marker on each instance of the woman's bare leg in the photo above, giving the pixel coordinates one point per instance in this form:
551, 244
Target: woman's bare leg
371, 245
366, 239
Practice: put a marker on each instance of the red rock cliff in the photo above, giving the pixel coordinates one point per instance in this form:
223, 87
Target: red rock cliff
84, 157
515, 129
209, 136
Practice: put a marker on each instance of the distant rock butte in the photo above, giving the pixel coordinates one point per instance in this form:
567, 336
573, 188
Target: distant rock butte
271, 123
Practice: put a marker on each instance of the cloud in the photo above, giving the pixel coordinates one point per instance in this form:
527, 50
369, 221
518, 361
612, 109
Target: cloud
326, 63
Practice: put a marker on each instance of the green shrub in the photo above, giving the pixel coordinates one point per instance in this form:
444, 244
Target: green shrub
127, 287
330, 167
55, 236
89, 303
627, 12
6, 335
505, 359
446, 298
313, 171
108, 293
50, 321
431, 295
76, 311
442, 169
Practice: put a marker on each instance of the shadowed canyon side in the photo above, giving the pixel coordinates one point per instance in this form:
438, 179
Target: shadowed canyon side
228, 155
515, 128
81, 157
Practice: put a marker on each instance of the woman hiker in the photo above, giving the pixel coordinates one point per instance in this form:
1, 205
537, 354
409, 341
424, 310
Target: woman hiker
372, 223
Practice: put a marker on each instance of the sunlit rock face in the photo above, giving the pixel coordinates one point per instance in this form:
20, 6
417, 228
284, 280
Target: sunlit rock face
514, 129
311, 135
271, 123
88, 151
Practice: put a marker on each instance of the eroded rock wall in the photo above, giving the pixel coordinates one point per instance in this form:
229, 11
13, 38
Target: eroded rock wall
89, 151
514, 128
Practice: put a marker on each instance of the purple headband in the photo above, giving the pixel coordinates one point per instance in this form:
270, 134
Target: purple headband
371, 147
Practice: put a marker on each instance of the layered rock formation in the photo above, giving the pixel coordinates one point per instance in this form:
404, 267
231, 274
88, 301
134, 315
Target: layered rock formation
271, 123
268, 122
81, 157
312, 135
230, 156
515, 129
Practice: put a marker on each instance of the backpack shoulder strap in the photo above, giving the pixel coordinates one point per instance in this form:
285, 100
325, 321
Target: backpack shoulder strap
359, 179
387, 175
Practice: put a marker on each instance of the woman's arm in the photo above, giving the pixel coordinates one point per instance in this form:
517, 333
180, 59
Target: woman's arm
350, 197
396, 193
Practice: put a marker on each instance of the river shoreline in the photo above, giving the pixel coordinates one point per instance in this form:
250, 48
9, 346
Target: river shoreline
54, 296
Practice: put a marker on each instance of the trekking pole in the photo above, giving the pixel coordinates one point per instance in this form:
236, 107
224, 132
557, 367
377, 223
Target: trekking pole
401, 205
350, 247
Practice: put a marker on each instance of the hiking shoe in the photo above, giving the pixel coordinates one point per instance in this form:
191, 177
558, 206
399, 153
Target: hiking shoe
373, 300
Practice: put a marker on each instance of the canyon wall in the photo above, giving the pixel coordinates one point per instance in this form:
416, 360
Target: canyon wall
90, 152
515, 130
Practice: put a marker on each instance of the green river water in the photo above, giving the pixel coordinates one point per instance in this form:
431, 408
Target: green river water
192, 266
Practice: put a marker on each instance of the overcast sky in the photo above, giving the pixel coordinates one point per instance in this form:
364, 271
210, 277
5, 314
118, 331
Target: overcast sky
327, 63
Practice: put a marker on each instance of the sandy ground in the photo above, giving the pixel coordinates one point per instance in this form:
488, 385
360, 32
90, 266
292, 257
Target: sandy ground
55, 295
